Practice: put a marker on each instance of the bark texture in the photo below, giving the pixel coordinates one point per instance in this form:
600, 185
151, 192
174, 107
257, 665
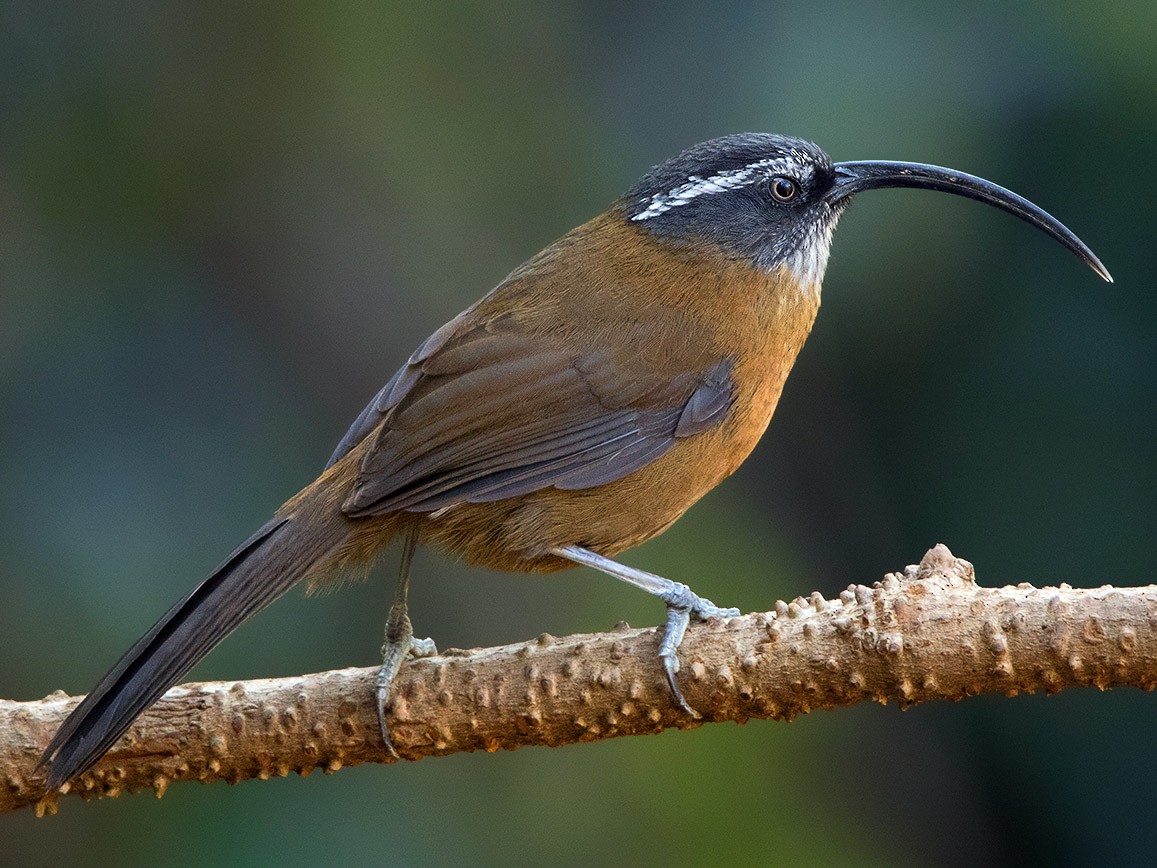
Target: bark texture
929, 632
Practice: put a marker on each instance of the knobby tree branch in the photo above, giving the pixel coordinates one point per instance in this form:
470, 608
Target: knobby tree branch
929, 632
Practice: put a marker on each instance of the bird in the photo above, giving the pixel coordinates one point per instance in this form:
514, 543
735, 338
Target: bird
575, 411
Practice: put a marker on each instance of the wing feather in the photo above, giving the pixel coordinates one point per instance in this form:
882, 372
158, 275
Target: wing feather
480, 414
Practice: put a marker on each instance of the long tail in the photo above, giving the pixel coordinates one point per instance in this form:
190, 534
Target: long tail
258, 571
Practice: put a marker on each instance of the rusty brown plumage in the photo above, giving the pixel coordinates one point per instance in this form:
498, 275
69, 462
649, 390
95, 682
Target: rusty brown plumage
574, 412
535, 360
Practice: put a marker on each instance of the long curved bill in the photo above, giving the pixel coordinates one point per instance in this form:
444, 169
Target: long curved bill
855, 177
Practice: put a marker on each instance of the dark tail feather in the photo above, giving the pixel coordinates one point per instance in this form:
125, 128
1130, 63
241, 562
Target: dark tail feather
259, 571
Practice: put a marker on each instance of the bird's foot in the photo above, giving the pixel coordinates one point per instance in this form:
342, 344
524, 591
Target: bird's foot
683, 604
394, 653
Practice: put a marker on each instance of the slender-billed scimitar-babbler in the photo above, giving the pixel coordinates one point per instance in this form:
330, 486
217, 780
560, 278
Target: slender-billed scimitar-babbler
575, 411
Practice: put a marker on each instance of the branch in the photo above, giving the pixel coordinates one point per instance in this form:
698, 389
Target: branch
928, 633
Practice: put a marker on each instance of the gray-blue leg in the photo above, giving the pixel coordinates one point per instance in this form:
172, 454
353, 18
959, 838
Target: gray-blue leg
399, 642
682, 605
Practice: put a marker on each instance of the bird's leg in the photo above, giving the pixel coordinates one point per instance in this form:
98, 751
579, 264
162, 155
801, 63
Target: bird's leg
399, 642
682, 605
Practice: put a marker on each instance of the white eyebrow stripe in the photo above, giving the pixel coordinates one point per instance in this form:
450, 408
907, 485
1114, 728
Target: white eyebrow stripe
696, 186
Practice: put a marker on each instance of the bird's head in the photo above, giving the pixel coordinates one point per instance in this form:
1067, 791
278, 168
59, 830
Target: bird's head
775, 200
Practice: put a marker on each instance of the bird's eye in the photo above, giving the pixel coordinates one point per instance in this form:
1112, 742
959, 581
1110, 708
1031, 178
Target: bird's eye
784, 189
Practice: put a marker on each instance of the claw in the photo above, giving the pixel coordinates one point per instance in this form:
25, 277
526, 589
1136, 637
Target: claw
399, 642
671, 666
383, 684
679, 614
683, 604
678, 618
394, 653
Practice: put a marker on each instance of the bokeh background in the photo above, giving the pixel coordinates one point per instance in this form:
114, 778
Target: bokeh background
221, 229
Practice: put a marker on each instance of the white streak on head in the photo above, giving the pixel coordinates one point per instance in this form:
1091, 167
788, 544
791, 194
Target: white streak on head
794, 163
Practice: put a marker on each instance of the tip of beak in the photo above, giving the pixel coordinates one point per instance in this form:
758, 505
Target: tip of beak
1082, 250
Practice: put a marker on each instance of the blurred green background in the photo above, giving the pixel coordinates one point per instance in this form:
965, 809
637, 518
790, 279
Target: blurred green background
222, 229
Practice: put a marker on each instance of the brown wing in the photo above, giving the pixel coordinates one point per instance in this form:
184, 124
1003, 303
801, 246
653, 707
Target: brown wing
481, 413
395, 388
